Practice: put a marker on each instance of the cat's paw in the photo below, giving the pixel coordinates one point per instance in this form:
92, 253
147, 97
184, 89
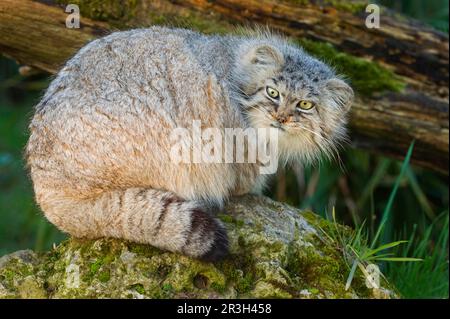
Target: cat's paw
207, 238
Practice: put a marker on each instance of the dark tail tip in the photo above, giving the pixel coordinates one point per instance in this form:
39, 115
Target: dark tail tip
219, 247
206, 230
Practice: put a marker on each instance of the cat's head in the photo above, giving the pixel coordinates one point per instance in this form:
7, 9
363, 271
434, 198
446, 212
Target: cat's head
278, 85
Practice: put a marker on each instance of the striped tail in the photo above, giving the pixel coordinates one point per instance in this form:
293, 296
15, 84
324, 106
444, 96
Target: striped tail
142, 215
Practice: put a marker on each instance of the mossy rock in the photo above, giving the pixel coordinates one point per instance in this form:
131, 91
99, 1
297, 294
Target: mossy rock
276, 252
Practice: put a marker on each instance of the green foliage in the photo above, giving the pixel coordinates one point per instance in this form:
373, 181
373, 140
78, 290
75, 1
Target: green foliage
432, 12
356, 251
429, 278
21, 223
388, 208
355, 247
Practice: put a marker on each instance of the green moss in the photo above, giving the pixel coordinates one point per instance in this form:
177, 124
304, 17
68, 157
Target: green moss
355, 6
230, 220
104, 276
306, 265
96, 266
366, 77
243, 281
30, 288
116, 12
192, 21
139, 288
17, 269
347, 6
140, 249
226, 218
334, 249
167, 287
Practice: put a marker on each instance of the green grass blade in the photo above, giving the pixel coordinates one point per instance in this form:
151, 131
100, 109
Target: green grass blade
419, 193
351, 275
373, 182
390, 202
377, 257
399, 259
383, 247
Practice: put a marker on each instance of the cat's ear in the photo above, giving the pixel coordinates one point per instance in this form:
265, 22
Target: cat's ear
263, 55
340, 92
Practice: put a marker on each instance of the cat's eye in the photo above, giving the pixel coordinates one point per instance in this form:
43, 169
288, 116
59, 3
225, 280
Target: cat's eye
305, 105
274, 94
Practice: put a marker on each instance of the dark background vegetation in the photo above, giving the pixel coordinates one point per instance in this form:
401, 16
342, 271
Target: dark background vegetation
359, 190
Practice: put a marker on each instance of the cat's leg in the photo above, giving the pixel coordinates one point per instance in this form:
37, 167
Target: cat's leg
143, 215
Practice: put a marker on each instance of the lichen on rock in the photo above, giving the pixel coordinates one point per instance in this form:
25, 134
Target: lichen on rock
275, 252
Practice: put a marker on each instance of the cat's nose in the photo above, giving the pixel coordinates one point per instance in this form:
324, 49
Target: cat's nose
283, 117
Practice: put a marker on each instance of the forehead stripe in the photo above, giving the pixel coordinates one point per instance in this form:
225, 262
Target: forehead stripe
257, 91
